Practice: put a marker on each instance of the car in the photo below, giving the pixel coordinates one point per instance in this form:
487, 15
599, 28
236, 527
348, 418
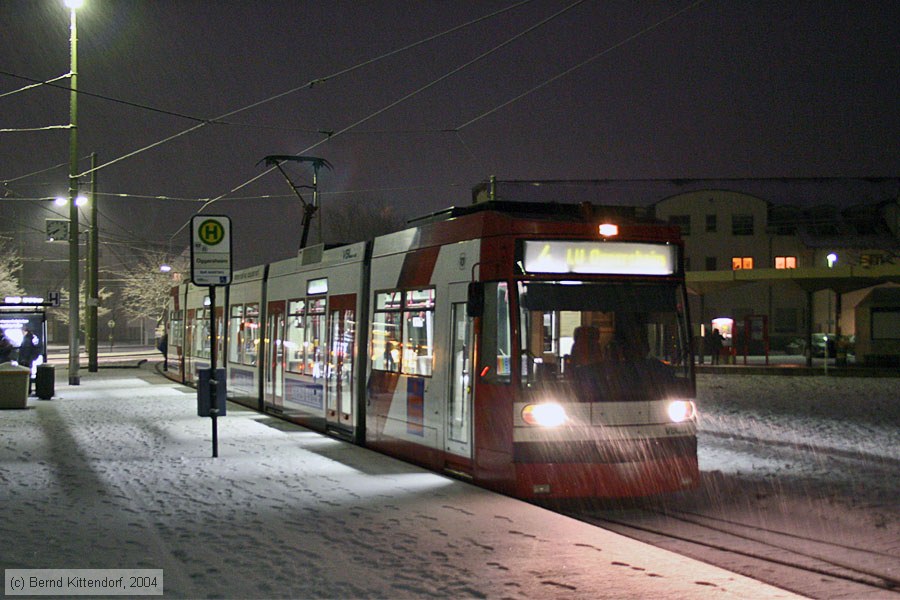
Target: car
822, 340
795, 346
837, 344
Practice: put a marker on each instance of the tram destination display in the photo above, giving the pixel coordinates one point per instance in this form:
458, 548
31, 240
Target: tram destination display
598, 258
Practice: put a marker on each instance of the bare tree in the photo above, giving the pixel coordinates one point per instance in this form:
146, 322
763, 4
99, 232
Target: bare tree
61, 313
10, 270
146, 288
357, 221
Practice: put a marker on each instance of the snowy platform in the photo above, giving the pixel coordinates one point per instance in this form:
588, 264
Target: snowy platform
117, 473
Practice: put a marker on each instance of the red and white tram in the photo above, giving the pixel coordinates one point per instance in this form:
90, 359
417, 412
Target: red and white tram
540, 350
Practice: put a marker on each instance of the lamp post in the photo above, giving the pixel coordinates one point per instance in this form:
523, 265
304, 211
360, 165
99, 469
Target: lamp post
73, 193
831, 259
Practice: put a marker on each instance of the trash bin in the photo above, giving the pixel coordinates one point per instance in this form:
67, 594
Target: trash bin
45, 382
14, 386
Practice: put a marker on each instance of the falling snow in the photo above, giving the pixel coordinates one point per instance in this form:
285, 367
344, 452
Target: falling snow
117, 473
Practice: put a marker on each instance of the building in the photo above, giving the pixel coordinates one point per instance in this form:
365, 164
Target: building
833, 250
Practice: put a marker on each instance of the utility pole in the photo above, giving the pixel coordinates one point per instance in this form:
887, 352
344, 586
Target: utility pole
74, 379
92, 285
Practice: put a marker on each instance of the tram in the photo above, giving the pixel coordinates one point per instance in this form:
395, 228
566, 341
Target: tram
539, 350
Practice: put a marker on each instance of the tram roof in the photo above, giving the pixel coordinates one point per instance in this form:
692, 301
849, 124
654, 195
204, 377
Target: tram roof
552, 211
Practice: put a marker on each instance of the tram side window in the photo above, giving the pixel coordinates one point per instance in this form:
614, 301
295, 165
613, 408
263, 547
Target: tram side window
176, 329
496, 358
220, 339
295, 339
235, 333
386, 320
315, 338
201, 335
403, 332
250, 341
418, 332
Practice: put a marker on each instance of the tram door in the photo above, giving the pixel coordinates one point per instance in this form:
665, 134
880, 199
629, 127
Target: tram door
273, 366
339, 369
458, 440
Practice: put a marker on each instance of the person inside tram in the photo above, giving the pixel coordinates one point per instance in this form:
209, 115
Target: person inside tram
627, 370
586, 346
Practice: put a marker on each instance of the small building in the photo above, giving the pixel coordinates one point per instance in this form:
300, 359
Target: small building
878, 327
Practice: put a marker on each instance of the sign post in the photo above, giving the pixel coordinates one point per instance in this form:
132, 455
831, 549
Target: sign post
211, 266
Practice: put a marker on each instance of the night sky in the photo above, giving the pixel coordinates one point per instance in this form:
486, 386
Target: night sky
547, 89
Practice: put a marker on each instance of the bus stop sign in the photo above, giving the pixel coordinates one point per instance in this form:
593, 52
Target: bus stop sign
210, 250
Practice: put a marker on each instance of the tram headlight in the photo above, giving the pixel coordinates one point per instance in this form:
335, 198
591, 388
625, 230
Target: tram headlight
681, 410
547, 414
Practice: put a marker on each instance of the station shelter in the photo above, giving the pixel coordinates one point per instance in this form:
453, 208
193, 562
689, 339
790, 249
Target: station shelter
16, 315
839, 281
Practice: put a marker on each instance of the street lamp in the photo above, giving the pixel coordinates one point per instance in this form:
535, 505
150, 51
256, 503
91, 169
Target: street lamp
831, 259
62, 201
73, 193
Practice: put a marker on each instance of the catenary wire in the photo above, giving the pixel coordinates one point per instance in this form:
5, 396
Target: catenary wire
307, 85
33, 85
600, 54
402, 99
219, 120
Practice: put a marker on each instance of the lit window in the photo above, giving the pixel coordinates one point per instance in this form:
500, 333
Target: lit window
741, 262
418, 332
295, 338
403, 332
785, 262
250, 337
868, 260
235, 332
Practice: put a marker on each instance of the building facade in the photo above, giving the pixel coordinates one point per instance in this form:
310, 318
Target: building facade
729, 230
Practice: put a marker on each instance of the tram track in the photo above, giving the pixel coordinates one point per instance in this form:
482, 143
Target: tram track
125, 356
811, 526
744, 548
688, 516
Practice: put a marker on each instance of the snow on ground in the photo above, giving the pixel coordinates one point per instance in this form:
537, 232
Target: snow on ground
853, 414
117, 473
847, 427
829, 466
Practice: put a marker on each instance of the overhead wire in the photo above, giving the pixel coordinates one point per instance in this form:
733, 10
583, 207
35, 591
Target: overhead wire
306, 85
457, 129
220, 119
38, 172
329, 135
400, 100
583, 63
44, 128
82, 92
37, 83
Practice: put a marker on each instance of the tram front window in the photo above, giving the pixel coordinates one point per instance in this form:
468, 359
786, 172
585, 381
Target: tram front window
570, 331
